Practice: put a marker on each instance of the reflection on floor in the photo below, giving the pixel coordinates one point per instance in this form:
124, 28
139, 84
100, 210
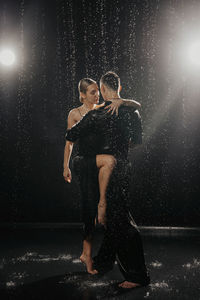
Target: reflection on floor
43, 264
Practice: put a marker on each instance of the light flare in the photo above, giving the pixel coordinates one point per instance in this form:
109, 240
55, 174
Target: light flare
7, 57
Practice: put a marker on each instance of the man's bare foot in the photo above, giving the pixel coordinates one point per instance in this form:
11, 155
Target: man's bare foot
102, 213
88, 262
128, 285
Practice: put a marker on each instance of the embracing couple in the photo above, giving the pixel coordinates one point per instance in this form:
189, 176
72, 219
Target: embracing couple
104, 134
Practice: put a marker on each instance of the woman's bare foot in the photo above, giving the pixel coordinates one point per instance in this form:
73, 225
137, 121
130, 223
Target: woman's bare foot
129, 285
102, 213
87, 260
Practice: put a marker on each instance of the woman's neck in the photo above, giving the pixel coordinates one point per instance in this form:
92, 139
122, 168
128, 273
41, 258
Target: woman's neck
88, 106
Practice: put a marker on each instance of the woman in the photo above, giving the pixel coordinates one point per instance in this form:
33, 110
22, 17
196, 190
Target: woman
89, 96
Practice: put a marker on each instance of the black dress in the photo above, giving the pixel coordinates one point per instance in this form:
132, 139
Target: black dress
87, 174
111, 135
86, 171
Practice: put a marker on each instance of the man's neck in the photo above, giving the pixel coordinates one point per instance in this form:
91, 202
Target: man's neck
111, 95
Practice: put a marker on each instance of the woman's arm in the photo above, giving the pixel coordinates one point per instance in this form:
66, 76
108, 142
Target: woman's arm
68, 148
116, 103
67, 155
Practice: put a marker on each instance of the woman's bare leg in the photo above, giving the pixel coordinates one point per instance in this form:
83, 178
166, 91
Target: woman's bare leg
86, 256
105, 164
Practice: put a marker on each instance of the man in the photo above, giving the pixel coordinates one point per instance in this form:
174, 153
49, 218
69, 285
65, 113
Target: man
111, 135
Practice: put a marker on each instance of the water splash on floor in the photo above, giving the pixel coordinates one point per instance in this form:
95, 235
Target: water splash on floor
160, 285
35, 257
156, 264
192, 265
10, 284
76, 261
19, 276
96, 284
147, 295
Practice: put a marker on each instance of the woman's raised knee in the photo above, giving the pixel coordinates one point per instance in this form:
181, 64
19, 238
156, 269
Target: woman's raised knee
111, 161
106, 160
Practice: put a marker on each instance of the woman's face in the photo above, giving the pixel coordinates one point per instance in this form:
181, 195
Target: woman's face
92, 94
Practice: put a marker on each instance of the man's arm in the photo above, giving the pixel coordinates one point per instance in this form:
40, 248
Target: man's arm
116, 103
135, 129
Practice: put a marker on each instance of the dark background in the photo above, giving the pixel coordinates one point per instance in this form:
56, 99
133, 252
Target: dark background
59, 42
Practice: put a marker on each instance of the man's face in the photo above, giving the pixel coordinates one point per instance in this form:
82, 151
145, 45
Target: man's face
92, 94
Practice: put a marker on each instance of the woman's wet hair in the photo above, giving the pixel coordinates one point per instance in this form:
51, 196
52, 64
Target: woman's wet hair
83, 85
111, 80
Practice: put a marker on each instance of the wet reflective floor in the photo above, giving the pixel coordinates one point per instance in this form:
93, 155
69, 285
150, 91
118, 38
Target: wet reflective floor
44, 264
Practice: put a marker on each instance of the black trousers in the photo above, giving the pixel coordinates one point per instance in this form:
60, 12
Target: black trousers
122, 240
126, 247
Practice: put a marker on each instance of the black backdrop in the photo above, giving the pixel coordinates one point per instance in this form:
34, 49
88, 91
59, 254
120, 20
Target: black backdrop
59, 42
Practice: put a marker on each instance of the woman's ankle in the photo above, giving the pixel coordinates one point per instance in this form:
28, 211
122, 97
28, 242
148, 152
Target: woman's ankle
102, 203
86, 255
102, 199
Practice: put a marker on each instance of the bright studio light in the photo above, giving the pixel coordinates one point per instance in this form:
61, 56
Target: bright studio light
7, 57
194, 53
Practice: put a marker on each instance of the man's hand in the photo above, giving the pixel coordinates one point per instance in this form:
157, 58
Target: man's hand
67, 175
114, 106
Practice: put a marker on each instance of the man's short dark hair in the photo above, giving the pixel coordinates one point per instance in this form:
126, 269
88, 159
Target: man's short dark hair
111, 80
